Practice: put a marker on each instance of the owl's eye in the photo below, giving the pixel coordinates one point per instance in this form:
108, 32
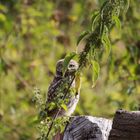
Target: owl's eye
71, 65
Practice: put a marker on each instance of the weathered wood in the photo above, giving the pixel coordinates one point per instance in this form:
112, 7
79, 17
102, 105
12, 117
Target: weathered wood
88, 128
126, 126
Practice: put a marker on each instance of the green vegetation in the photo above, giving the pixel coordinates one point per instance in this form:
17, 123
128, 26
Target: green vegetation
36, 33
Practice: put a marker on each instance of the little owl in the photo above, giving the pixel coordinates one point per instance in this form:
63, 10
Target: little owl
59, 87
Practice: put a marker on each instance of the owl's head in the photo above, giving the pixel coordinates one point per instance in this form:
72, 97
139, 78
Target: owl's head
72, 67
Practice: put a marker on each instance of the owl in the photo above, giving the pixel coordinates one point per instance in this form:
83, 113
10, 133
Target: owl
58, 88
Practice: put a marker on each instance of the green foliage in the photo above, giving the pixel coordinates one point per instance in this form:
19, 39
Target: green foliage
106, 42
35, 34
117, 22
82, 36
44, 126
96, 71
95, 18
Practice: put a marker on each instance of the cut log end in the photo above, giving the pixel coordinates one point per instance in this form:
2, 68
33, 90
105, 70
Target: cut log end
88, 128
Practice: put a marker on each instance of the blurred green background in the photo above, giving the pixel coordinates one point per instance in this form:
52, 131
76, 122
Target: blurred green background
34, 34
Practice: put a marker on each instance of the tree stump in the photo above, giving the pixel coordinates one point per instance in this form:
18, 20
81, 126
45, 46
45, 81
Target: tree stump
88, 128
126, 126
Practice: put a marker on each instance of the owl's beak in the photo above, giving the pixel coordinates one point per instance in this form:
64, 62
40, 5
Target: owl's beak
72, 70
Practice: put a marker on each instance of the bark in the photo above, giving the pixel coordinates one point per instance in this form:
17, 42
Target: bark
126, 126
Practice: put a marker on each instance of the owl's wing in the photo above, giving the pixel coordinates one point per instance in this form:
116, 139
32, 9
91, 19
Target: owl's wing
52, 91
51, 96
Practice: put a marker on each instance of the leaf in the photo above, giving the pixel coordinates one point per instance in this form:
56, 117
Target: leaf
42, 115
67, 60
126, 5
104, 5
51, 106
95, 17
106, 43
82, 36
101, 29
77, 82
64, 107
117, 22
96, 71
